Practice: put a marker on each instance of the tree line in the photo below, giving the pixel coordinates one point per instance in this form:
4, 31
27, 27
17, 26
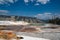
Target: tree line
54, 21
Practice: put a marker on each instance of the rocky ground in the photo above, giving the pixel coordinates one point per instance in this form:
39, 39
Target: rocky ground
47, 33
32, 28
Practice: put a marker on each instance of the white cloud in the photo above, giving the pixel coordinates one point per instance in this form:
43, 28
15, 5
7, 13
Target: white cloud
11, 1
44, 16
47, 13
26, 1
43, 1
37, 1
6, 1
37, 4
4, 12
32, 0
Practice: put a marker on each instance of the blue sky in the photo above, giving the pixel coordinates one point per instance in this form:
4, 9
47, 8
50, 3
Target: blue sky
36, 8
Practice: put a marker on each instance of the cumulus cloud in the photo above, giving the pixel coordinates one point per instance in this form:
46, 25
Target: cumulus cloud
37, 4
6, 1
37, 1
3, 12
44, 16
43, 1
26, 1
